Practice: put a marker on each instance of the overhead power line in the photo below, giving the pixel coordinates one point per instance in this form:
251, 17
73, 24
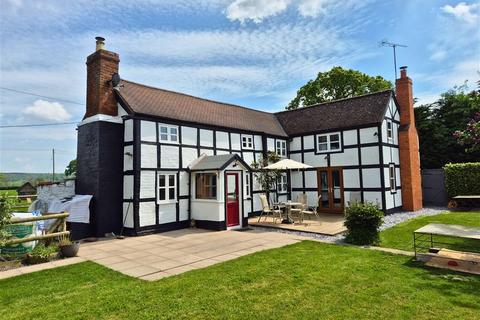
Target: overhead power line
41, 96
39, 125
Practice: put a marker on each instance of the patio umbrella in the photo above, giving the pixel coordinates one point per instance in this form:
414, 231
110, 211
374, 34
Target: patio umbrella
287, 164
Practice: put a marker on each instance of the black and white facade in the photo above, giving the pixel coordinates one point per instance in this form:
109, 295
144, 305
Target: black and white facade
184, 160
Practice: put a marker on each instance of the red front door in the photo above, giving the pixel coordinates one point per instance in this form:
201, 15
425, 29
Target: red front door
231, 196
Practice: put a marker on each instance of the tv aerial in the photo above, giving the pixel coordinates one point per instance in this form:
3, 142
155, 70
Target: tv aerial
386, 43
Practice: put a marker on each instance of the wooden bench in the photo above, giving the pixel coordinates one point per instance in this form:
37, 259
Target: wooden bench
465, 261
469, 201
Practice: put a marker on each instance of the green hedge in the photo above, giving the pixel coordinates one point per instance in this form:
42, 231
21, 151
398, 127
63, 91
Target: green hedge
362, 221
462, 179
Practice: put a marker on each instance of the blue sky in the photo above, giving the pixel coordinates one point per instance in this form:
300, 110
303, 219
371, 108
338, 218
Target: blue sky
255, 53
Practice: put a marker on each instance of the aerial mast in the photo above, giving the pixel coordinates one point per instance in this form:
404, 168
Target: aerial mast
386, 43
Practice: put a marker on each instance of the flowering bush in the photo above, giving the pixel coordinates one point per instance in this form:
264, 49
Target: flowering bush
470, 137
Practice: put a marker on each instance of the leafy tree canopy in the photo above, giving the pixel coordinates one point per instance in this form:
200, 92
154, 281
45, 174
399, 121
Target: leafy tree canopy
437, 122
71, 169
338, 83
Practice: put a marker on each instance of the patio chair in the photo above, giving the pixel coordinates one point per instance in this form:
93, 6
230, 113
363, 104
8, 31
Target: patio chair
298, 211
274, 211
314, 211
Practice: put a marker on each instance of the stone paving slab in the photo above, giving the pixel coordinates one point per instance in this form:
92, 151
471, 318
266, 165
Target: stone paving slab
156, 256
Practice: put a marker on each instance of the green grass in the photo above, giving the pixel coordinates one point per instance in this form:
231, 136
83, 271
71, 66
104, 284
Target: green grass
401, 235
308, 280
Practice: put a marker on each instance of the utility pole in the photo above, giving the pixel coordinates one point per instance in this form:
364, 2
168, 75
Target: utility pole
385, 43
53, 165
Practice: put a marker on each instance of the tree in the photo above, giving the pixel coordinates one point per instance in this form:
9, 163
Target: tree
470, 137
71, 169
267, 178
338, 83
437, 122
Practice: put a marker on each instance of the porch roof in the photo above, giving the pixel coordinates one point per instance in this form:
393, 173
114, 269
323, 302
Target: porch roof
218, 162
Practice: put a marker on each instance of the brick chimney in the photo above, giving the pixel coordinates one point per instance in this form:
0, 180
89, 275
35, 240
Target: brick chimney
409, 148
101, 65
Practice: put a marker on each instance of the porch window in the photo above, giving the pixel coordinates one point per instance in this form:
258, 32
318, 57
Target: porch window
329, 142
247, 185
167, 184
168, 133
206, 186
389, 130
281, 148
282, 184
247, 142
392, 177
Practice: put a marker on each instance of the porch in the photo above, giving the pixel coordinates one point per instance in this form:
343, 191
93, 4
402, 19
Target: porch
326, 223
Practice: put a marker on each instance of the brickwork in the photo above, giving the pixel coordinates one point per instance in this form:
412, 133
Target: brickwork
409, 146
101, 65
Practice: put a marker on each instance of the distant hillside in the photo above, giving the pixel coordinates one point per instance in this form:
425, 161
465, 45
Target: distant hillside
16, 179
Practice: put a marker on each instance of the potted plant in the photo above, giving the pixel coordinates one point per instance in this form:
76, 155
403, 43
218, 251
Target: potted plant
68, 248
42, 253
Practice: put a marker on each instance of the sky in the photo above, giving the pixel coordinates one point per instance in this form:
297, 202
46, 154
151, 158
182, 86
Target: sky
255, 53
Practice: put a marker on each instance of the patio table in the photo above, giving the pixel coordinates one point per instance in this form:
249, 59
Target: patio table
288, 206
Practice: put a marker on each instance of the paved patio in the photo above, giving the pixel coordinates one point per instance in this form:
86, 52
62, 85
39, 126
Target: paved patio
161, 255
326, 224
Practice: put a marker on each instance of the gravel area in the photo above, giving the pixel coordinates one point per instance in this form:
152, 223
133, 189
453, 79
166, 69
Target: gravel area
399, 217
389, 221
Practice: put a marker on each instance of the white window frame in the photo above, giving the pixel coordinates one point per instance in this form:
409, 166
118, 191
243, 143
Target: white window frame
247, 185
281, 148
282, 184
389, 130
392, 177
169, 134
167, 187
329, 142
247, 142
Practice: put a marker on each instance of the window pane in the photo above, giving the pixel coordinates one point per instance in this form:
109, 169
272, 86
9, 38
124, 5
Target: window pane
161, 194
335, 145
163, 137
322, 139
322, 146
171, 193
163, 130
171, 180
334, 137
161, 180
173, 138
173, 131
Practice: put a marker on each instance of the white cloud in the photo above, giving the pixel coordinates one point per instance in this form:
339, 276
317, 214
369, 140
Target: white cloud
312, 8
46, 110
439, 55
255, 10
464, 12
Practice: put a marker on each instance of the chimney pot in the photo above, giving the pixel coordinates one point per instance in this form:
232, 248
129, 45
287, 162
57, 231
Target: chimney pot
100, 44
403, 71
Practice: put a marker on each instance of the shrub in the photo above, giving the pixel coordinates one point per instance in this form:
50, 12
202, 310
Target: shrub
42, 253
462, 179
6, 205
362, 221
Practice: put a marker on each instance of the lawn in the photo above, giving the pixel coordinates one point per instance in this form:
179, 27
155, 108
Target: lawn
307, 280
401, 235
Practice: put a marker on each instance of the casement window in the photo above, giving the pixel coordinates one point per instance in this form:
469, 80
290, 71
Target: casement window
329, 142
247, 185
247, 142
392, 177
168, 133
281, 148
282, 184
206, 186
389, 130
167, 186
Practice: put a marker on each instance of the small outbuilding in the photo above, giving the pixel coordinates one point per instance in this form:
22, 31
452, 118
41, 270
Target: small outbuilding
26, 189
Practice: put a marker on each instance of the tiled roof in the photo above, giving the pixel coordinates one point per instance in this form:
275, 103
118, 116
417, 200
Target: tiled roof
351, 112
178, 106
